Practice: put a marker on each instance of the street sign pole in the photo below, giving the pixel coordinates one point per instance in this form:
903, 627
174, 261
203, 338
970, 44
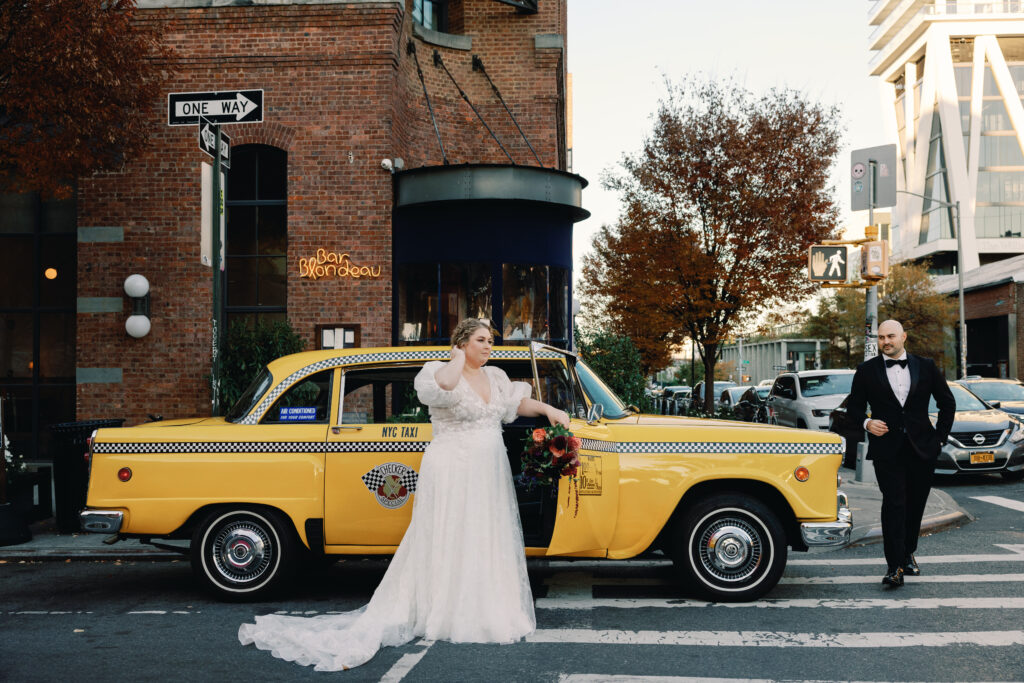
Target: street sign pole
871, 295
217, 317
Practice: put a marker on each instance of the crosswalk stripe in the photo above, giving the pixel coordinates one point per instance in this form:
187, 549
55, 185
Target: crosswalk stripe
1016, 555
949, 578
795, 603
1002, 502
776, 638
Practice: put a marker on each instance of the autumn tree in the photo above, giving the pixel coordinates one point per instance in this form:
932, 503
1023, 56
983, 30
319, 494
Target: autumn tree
907, 295
76, 79
616, 360
840, 319
719, 207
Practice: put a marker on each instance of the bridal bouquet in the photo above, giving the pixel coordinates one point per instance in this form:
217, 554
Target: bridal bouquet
550, 453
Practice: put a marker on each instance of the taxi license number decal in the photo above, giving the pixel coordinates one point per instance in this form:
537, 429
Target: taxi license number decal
590, 475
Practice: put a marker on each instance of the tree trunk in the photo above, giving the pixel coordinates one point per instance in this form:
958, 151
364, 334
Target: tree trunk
710, 352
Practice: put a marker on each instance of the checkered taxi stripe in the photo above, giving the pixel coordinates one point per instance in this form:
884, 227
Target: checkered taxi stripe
362, 358
264, 447
419, 446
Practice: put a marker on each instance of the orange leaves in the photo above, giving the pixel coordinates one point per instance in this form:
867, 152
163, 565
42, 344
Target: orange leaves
75, 79
720, 205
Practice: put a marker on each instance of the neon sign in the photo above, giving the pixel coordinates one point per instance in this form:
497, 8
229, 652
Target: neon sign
334, 264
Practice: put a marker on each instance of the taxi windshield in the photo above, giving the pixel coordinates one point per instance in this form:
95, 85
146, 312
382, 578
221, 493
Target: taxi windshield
247, 401
598, 392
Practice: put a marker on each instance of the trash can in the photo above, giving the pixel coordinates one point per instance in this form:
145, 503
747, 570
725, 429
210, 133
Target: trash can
70, 469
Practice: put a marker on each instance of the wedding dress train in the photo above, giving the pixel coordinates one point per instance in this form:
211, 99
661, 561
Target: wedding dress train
459, 573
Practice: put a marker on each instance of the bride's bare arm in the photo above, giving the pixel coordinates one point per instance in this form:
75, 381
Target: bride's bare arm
448, 376
530, 407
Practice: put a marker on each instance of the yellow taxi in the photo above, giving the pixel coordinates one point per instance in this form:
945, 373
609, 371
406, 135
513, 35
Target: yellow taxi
321, 455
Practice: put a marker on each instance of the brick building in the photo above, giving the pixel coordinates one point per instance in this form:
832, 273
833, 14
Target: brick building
367, 161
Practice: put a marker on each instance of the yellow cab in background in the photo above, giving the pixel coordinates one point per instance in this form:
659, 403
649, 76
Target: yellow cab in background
321, 455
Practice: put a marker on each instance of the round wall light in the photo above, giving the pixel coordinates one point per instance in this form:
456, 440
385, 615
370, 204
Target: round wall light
50, 273
136, 286
137, 326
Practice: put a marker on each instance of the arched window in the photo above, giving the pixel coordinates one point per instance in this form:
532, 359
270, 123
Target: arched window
257, 235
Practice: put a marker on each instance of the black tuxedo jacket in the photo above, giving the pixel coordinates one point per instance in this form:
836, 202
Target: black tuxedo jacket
908, 422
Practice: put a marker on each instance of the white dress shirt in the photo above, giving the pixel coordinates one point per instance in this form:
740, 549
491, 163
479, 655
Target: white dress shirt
899, 380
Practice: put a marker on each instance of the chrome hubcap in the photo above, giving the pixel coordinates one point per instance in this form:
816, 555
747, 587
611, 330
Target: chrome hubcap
242, 551
730, 549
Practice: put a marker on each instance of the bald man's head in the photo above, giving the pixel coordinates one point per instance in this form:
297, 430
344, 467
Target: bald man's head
891, 338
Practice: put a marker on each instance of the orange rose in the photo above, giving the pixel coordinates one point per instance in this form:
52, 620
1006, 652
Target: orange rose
574, 443
539, 436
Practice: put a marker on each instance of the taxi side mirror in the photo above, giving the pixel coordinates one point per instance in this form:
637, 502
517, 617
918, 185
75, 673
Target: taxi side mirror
595, 414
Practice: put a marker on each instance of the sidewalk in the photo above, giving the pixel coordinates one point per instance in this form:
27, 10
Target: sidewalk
865, 502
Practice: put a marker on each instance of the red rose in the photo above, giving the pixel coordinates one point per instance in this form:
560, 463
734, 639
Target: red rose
574, 443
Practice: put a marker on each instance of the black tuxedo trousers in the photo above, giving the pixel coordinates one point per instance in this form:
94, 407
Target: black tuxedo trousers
905, 456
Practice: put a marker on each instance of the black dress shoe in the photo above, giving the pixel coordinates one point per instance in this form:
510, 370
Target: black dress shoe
910, 567
894, 577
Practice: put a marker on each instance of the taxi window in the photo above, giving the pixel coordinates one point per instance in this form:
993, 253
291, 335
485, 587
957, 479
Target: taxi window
306, 401
381, 395
557, 387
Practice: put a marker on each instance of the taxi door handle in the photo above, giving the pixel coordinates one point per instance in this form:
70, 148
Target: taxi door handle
337, 428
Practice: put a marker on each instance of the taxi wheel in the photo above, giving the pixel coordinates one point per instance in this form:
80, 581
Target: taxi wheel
731, 547
244, 553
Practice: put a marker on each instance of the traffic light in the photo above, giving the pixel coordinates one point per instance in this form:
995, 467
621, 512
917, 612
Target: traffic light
874, 260
827, 263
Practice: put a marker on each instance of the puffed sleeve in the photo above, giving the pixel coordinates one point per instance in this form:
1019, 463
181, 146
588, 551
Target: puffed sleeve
512, 394
428, 390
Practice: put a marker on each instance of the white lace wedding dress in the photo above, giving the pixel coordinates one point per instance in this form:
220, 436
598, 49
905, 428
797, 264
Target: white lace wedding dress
459, 573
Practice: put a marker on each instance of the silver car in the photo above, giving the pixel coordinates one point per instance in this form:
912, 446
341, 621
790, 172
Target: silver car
983, 438
805, 399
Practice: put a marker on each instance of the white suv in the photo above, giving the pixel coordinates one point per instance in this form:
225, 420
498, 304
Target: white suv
805, 399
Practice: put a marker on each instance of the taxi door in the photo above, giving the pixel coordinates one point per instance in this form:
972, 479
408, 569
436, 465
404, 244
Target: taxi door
375, 443
583, 526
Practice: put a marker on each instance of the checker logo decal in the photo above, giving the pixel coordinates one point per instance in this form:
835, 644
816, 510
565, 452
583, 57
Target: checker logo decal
391, 483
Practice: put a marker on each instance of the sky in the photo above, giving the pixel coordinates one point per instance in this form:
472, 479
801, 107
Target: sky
619, 52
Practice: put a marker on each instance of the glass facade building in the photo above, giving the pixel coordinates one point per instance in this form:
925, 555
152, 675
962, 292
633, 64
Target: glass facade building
955, 70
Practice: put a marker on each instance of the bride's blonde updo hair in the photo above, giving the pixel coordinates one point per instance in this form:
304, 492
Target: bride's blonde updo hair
465, 329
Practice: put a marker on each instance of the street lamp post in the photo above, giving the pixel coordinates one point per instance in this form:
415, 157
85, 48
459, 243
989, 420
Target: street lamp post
959, 272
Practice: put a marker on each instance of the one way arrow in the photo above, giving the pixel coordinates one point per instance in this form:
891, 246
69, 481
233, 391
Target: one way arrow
239, 107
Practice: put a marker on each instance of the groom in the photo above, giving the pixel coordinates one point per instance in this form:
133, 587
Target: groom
901, 439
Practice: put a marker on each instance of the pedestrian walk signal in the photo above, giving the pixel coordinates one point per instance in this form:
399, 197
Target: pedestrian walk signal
827, 263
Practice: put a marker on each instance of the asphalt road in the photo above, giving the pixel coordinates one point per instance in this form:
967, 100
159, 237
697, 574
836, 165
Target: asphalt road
829, 619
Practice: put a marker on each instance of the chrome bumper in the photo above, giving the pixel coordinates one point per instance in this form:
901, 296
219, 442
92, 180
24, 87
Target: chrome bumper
101, 521
830, 533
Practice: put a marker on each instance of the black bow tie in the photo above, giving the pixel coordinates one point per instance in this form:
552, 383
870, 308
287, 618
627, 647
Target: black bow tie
889, 362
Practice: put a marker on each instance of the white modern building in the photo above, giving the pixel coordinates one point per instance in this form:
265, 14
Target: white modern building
955, 72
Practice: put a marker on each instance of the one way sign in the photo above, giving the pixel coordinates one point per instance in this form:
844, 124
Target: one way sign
229, 106
208, 140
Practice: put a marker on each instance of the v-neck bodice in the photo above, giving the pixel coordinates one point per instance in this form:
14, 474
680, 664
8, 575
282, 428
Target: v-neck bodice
490, 387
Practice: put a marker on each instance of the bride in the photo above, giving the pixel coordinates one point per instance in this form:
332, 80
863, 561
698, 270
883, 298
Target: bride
459, 573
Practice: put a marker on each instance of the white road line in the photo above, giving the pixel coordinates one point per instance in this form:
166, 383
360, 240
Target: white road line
405, 664
951, 578
615, 678
1003, 502
776, 638
1016, 556
796, 603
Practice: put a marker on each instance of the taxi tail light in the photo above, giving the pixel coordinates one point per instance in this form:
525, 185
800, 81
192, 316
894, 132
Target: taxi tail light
124, 474
88, 453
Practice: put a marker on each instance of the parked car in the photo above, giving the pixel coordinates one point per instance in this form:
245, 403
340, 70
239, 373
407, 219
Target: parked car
731, 396
716, 391
320, 457
1005, 394
804, 399
766, 383
752, 406
677, 397
982, 439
